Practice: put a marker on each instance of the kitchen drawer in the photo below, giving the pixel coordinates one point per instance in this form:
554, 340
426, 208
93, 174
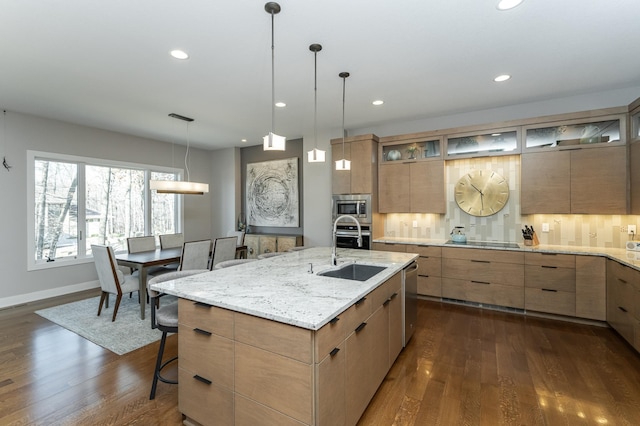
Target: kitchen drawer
250, 413
551, 301
550, 278
381, 293
208, 355
202, 401
206, 317
356, 314
511, 274
550, 259
389, 247
482, 292
329, 336
287, 340
488, 255
424, 251
429, 286
429, 266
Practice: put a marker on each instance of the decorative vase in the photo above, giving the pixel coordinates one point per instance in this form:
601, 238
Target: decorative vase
394, 155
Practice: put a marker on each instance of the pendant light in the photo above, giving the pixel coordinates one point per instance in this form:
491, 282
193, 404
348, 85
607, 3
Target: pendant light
315, 155
178, 186
343, 164
273, 142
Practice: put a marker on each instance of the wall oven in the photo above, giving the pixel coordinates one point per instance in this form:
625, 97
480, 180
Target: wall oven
347, 236
357, 205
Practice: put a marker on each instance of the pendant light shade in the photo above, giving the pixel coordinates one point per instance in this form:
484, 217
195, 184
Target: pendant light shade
343, 164
273, 142
179, 186
315, 155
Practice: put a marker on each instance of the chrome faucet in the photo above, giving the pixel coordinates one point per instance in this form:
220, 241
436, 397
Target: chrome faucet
334, 260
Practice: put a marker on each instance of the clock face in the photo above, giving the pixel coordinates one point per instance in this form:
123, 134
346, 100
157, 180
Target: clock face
481, 192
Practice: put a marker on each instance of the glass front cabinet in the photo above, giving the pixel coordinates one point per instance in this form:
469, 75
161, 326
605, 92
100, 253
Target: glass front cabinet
490, 143
414, 150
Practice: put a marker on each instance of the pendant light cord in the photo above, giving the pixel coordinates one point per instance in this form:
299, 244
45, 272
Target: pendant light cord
273, 78
186, 155
344, 85
315, 100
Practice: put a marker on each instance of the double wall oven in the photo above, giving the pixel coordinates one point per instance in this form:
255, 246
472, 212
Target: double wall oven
358, 206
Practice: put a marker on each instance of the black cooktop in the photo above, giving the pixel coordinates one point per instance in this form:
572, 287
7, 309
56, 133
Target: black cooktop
485, 244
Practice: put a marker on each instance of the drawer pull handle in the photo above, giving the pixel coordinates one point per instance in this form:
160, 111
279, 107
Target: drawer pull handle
480, 282
334, 351
334, 320
623, 309
550, 289
386, 302
622, 281
202, 379
360, 327
393, 296
201, 331
549, 254
480, 261
549, 267
202, 305
360, 301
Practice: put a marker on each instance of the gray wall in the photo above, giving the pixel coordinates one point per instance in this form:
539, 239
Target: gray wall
26, 132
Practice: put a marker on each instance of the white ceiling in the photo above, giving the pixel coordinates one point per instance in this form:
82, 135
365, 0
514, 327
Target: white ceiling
106, 64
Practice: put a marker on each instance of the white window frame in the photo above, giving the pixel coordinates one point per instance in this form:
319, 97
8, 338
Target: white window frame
32, 156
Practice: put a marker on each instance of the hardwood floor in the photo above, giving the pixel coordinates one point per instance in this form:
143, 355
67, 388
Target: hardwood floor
464, 366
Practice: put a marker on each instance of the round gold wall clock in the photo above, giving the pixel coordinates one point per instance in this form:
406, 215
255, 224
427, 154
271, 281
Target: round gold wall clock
481, 192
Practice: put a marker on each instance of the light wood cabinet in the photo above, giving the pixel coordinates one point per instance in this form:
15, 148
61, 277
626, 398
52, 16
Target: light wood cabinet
429, 269
621, 294
494, 277
591, 287
244, 370
362, 151
258, 244
582, 181
550, 283
416, 187
389, 247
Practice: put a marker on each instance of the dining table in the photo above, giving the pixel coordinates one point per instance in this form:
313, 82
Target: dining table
144, 260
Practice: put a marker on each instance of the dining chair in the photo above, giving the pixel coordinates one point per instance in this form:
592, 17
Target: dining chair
232, 262
140, 244
195, 255
239, 235
224, 248
171, 240
112, 279
165, 319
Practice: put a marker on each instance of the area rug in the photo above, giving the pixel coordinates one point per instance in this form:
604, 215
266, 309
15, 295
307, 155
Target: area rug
127, 333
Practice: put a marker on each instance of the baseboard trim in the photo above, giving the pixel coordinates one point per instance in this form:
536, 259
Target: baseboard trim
22, 299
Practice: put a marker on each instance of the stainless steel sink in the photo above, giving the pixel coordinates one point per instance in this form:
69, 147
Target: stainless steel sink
354, 271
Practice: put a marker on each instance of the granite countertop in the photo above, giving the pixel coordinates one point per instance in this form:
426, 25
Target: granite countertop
281, 288
628, 258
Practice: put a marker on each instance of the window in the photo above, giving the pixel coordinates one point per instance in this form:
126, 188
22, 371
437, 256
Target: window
81, 201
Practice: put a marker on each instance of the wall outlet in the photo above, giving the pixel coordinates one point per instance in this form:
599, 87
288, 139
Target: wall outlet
415, 223
545, 227
631, 229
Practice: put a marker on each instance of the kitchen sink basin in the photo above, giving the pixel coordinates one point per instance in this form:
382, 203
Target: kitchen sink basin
353, 271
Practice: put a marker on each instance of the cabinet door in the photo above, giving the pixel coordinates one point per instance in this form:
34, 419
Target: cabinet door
330, 397
599, 181
268, 244
634, 171
545, 182
361, 167
253, 245
340, 179
394, 195
286, 243
591, 287
394, 306
427, 187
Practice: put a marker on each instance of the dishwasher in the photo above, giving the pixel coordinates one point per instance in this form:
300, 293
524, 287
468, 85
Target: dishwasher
409, 301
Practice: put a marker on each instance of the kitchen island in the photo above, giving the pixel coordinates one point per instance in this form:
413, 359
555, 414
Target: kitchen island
270, 342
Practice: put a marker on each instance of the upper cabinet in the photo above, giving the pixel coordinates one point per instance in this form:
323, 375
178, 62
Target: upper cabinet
485, 144
561, 173
411, 175
362, 151
634, 156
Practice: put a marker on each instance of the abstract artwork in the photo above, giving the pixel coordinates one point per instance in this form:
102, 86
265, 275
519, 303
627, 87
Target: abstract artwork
272, 193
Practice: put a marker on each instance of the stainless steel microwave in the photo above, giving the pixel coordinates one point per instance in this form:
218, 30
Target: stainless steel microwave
358, 206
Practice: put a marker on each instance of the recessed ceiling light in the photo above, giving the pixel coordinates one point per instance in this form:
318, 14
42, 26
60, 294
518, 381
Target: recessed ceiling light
179, 54
281, 104
508, 4
378, 102
243, 140
503, 77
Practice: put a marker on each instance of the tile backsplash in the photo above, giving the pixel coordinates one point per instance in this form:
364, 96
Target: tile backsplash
507, 224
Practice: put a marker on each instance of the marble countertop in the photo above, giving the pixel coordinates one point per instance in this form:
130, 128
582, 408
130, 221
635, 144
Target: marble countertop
629, 258
281, 288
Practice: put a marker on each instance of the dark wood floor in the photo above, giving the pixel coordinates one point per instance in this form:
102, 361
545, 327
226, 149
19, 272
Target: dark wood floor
464, 366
